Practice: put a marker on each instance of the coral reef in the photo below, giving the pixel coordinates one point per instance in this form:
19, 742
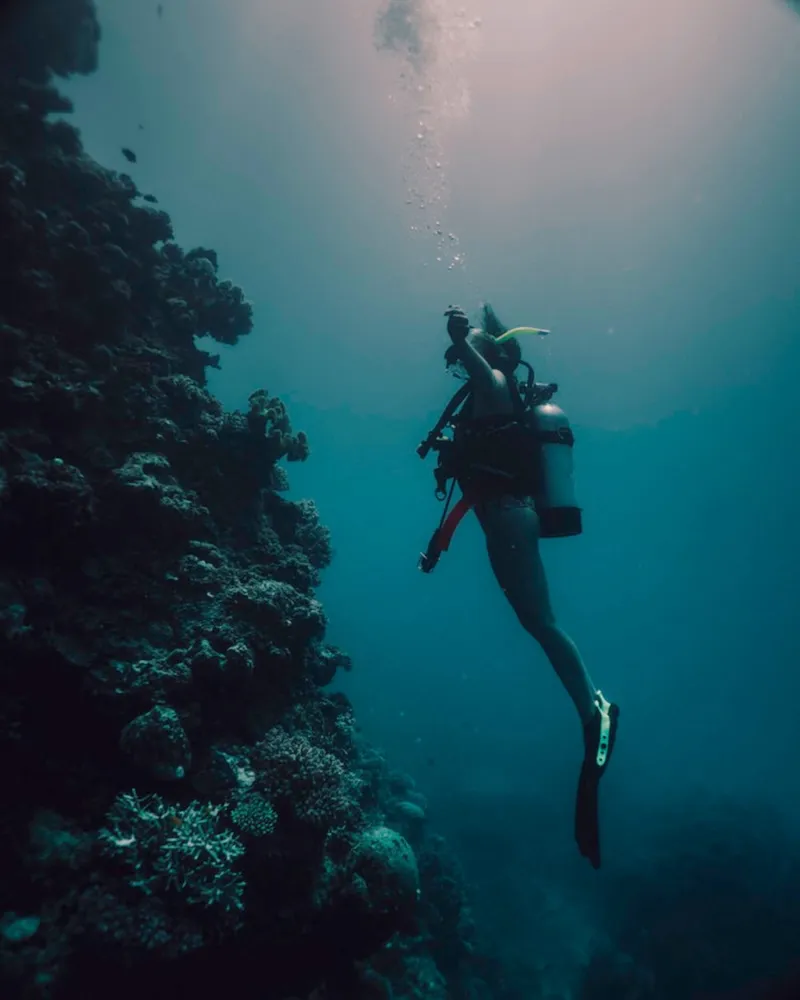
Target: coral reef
184, 805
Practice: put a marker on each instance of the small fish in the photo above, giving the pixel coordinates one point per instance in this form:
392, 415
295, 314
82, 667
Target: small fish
151, 198
129, 154
141, 127
160, 9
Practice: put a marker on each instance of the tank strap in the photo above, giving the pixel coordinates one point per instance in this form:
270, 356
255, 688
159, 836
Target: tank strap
562, 436
516, 398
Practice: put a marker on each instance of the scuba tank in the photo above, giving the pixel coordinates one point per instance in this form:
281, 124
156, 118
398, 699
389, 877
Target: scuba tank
549, 476
559, 514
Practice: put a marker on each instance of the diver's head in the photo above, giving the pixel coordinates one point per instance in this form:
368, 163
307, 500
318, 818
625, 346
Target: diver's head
504, 357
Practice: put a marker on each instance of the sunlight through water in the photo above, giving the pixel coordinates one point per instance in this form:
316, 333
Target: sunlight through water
432, 42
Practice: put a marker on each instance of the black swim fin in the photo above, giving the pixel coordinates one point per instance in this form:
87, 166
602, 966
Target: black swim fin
599, 737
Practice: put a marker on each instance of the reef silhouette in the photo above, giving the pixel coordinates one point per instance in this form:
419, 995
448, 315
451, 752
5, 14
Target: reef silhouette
185, 806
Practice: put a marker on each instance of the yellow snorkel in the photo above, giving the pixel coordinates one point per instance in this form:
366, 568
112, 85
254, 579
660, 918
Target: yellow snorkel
520, 329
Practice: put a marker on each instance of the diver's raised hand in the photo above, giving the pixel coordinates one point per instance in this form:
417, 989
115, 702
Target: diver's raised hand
457, 323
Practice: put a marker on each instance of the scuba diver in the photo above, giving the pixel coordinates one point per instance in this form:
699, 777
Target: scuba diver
510, 452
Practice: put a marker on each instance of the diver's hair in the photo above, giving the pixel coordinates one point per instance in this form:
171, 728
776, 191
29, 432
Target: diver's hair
491, 324
508, 354
505, 357
512, 353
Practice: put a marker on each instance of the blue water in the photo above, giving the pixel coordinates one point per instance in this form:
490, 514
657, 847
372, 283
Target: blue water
626, 177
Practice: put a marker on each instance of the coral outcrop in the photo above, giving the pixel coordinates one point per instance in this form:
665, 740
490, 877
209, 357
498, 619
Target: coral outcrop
184, 804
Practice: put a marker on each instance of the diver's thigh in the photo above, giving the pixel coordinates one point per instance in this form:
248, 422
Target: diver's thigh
512, 540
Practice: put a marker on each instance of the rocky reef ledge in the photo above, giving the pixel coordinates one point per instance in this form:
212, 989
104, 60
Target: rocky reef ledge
185, 806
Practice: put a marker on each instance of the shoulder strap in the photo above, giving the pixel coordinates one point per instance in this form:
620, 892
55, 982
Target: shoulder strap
447, 415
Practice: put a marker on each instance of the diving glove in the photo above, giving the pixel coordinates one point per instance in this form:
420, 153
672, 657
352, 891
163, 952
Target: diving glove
599, 736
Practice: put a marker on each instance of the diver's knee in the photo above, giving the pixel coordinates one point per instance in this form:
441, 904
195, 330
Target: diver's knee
543, 628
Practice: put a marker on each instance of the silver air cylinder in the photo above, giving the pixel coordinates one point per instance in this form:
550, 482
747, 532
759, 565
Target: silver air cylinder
559, 514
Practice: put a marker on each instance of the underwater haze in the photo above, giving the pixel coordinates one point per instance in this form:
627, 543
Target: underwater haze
624, 174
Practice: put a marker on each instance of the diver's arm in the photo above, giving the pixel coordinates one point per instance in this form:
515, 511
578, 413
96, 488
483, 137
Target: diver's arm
482, 374
479, 371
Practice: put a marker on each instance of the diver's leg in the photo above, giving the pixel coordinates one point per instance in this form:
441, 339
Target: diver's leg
512, 539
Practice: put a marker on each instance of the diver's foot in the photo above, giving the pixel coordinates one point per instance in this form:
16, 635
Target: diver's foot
599, 736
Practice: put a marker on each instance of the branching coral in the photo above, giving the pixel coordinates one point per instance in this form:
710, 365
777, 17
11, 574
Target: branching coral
312, 784
167, 849
254, 815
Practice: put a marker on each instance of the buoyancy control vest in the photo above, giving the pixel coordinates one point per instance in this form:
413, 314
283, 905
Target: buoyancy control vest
525, 454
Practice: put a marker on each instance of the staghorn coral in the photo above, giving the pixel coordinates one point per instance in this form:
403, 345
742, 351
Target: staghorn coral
168, 849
